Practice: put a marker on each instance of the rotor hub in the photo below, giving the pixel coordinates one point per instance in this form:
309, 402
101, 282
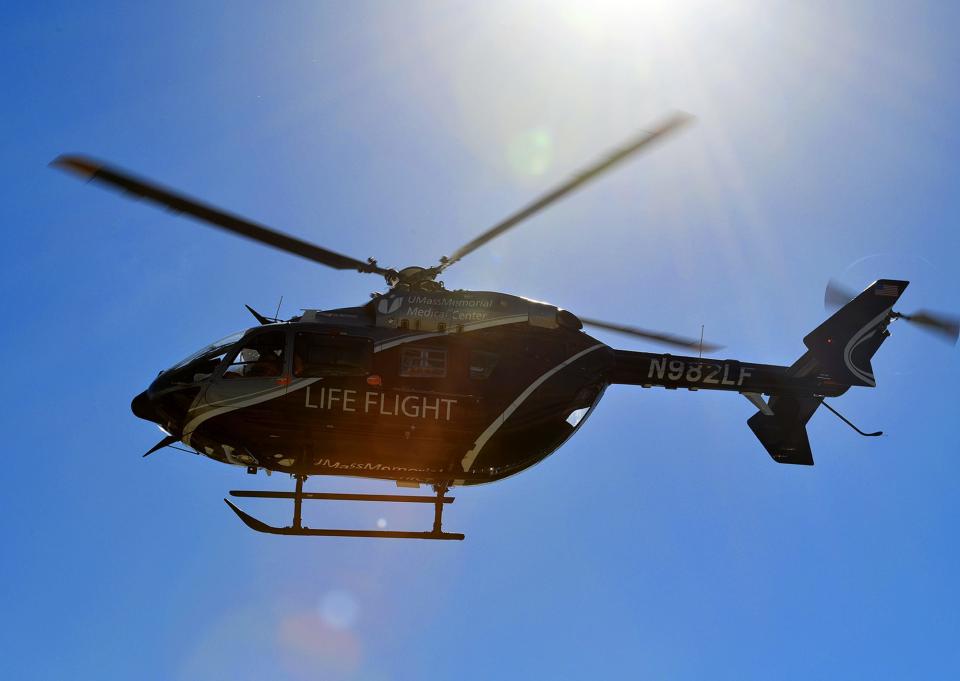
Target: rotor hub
414, 278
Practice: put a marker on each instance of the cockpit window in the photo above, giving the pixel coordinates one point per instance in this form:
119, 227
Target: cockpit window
213, 349
197, 370
321, 354
260, 356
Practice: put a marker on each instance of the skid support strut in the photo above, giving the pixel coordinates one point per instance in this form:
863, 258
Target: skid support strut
297, 528
298, 503
441, 490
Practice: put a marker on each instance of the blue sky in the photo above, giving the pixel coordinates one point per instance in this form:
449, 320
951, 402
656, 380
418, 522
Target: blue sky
661, 542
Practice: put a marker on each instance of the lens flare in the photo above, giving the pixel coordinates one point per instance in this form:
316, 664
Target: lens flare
338, 609
531, 152
312, 649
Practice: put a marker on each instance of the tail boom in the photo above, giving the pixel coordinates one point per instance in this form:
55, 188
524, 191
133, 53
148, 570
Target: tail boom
838, 356
704, 373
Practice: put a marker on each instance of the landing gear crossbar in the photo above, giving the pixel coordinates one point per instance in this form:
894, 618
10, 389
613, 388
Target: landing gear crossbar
298, 529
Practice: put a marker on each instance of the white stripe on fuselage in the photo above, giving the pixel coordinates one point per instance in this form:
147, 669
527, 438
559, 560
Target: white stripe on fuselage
491, 430
245, 401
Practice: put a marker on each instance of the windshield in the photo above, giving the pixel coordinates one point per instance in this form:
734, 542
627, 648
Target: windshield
213, 348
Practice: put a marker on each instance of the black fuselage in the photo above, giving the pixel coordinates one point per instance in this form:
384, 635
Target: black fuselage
446, 388
423, 428
460, 405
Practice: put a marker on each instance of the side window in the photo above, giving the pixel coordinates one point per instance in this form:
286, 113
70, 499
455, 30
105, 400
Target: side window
321, 354
482, 364
423, 363
259, 356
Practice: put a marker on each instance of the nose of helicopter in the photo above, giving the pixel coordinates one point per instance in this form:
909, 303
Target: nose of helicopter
164, 406
143, 407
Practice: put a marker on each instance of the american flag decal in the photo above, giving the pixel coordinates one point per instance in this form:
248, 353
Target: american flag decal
888, 290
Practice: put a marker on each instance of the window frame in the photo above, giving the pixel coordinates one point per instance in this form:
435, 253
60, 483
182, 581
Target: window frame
368, 349
234, 351
405, 349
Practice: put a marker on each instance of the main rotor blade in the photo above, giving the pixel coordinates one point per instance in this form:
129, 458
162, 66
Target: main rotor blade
665, 338
669, 125
947, 328
93, 170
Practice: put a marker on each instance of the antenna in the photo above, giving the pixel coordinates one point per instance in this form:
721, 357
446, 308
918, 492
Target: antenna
276, 315
701, 341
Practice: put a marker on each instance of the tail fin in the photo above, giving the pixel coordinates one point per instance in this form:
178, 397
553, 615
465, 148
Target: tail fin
844, 344
840, 350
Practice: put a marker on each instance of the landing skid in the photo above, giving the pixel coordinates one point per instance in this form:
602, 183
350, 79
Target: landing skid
298, 529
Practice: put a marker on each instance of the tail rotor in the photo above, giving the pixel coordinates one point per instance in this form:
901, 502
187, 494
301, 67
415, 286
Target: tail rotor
943, 326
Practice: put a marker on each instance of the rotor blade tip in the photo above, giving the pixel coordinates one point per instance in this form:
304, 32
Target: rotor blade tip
78, 165
677, 120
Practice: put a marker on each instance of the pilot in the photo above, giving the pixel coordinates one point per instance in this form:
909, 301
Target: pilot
268, 363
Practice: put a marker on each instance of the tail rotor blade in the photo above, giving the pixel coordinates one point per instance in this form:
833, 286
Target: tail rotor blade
944, 327
837, 295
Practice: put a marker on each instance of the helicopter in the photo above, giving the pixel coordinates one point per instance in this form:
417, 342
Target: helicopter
422, 385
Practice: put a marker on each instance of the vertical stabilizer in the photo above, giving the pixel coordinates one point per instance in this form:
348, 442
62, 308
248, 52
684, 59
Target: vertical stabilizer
844, 344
